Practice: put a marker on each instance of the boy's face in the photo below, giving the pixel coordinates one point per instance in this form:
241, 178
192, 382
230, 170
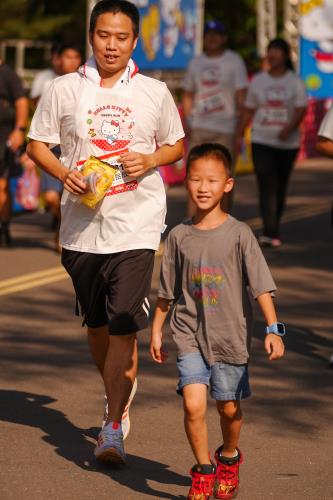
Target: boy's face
113, 42
207, 181
69, 61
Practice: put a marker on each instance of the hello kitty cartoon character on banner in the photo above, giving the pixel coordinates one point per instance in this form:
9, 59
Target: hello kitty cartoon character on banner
316, 46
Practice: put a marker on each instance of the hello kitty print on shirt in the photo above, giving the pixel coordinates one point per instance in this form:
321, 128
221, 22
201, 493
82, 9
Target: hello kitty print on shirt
110, 130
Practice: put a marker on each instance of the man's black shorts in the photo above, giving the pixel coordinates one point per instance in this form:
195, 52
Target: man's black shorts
112, 289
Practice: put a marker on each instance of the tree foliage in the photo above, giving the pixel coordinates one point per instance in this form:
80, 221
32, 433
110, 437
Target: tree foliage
61, 20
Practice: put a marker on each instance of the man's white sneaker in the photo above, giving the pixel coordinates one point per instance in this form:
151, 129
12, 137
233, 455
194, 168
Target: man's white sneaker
125, 420
110, 445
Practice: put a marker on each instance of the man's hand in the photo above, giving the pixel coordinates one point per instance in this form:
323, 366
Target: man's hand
136, 164
15, 139
74, 183
274, 346
156, 348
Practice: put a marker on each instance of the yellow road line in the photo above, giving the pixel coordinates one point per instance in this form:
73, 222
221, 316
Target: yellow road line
33, 284
31, 276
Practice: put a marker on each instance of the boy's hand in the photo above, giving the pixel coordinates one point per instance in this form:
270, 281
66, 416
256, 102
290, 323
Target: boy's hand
156, 348
274, 346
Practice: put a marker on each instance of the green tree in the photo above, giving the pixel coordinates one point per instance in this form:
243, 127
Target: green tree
61, 20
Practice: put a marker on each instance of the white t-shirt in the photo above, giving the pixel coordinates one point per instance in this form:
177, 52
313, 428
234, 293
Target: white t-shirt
326, 126
86, 119
275, 100
41, 82
214, 82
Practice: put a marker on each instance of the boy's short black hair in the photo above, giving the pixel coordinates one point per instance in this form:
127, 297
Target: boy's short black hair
115, 6
62, 47
212, 150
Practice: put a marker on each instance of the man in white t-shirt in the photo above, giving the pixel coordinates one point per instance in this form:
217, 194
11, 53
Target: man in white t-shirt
109, 110
214, 90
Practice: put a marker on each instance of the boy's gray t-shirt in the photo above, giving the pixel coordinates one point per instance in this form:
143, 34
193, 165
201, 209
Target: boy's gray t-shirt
207, 274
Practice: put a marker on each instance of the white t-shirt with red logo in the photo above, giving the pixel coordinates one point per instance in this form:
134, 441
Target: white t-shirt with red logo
274, 100
214, 82
139, 114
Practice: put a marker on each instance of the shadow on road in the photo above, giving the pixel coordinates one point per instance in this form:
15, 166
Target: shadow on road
76, 445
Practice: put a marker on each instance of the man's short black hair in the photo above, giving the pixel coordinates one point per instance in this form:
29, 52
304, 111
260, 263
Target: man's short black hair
210, 150
116, 6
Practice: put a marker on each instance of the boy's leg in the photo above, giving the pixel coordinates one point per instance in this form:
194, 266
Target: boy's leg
195, 407
230, 384
231, 424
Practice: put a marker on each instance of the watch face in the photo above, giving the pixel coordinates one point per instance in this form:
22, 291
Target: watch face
280, 328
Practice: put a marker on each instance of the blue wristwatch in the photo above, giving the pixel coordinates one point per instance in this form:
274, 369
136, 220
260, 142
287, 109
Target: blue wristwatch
277, 329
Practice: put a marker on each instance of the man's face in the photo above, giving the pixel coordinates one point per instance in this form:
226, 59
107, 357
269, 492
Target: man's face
69, 61
214, 41
113, 42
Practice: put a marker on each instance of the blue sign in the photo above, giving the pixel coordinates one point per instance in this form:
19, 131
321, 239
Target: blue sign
168, 33
316, 47
316, 68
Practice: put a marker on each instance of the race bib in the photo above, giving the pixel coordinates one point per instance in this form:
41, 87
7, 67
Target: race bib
122, 183
275, 116
210, 103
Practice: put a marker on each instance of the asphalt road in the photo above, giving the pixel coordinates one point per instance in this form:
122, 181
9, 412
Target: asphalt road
51, 397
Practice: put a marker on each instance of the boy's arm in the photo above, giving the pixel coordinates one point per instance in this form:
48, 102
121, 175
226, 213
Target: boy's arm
274, 345
156, 348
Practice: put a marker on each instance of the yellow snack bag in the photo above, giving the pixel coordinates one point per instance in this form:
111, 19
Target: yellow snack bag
99, 175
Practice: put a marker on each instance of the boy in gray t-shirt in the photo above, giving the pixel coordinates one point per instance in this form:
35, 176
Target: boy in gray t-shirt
209, 264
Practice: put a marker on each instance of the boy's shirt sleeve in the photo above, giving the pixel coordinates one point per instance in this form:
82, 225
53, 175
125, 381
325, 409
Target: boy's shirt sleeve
170, 277
258, 275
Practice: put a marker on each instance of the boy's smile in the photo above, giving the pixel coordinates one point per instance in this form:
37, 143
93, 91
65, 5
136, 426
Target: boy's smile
207, 182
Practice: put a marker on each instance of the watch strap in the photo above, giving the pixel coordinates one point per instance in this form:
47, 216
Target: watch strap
277, 329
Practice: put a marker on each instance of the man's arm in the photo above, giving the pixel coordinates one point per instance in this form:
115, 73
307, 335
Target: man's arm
17, 136
156, 348
274, 345
324, 146
40, 153
136, 164
187, 104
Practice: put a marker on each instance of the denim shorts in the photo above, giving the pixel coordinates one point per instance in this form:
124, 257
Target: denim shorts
227, 382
